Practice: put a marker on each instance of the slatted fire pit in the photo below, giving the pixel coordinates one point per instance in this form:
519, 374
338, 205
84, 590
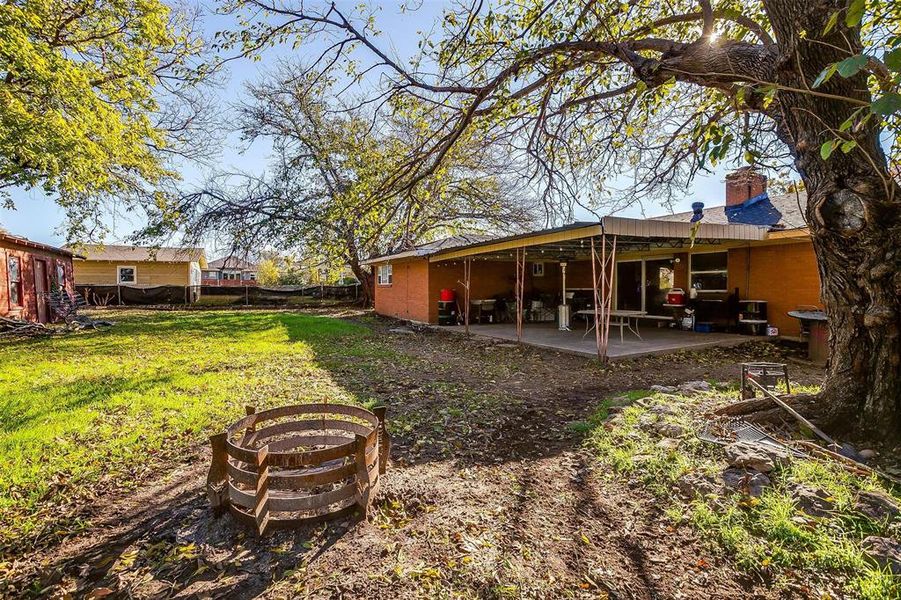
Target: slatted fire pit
299, 464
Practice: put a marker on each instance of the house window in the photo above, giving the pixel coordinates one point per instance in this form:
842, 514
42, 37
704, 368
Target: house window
386, 275
127, 275
15, 281
709, 272
61, 275
538, 269
252, 276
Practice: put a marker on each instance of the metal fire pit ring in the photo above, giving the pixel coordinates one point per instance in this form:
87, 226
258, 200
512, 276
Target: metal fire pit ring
271, 471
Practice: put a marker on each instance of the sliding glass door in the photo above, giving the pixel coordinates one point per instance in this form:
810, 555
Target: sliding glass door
658, 278
643, 284
628, 285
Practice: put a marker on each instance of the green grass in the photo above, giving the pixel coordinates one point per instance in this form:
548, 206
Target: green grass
238, 299
602, 411
769, 534
98, 409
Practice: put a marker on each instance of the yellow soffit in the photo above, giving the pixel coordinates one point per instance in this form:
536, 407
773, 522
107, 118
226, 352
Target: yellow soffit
520, 242
802, 232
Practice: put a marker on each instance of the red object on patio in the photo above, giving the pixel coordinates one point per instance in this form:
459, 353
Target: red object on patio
448, 295
675, 296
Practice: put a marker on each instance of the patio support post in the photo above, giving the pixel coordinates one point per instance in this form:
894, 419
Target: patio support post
518, 291
604, 312
467, 272
608, 304
602, 285
596, 298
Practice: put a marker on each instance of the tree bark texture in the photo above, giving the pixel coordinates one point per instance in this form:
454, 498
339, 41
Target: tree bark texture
854, 204
365, 277
854, 214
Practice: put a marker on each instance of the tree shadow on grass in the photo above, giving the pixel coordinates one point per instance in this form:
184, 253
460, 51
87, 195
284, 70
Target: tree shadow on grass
177, 547
14, 416
217, 325
453, 414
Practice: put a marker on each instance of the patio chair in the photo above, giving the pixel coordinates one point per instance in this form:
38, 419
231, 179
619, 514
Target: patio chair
484, 309
502, 309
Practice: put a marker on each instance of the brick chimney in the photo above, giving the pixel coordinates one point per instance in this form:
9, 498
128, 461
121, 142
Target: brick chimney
743, 184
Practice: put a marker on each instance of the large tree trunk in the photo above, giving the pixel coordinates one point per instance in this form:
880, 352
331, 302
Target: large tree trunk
857, 239
365, 277
854, 213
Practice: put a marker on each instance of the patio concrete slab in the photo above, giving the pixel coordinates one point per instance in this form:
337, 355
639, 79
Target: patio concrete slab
653, 340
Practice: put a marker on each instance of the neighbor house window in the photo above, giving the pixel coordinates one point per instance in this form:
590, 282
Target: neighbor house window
127, 275
385, 275
538, 269
709, 272
15, 281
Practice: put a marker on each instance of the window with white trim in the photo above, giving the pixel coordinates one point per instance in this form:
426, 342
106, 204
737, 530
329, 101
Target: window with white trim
126, 275
386, 274
709, 272
538, 269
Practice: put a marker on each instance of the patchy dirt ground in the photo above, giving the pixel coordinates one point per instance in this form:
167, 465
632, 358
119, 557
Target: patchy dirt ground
488, 495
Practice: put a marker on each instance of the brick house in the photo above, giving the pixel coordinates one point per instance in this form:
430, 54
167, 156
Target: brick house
230, 271
28, 271
755, 248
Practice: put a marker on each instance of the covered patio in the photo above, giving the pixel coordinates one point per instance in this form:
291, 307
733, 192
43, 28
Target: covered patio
589, 287
652, 341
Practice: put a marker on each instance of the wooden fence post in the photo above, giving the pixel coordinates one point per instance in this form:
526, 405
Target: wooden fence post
363, 487
216, 479
261, 504
384, 439
119, 293
249, 410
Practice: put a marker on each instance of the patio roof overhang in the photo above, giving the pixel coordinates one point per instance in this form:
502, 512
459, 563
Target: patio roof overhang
633, 235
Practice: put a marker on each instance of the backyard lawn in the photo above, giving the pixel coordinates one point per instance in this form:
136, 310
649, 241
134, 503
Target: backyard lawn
516, 472
98, 408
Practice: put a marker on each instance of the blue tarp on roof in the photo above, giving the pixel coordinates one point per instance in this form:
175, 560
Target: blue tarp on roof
754, 211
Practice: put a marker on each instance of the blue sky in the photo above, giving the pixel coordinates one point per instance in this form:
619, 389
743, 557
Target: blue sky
39, 218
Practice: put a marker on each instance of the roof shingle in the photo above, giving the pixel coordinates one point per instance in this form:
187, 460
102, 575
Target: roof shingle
140, 254
783, 211
232, 262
